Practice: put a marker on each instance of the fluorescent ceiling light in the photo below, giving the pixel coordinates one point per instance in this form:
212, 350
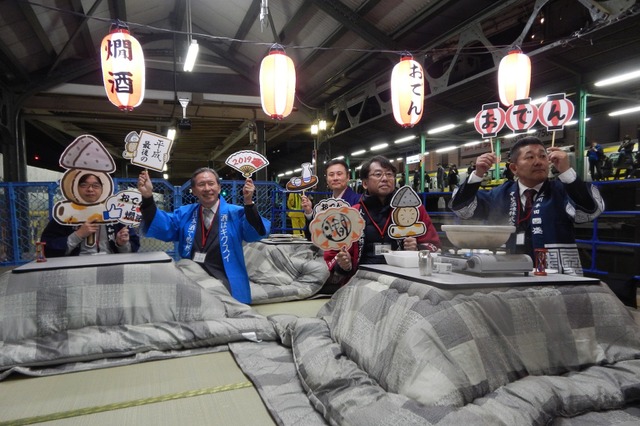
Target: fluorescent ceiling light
359, 167
391, 160
531, 131
288, 172
624, 111
447, 148
399, 159
472, 143
379, 146
192, 54
171, 133
572, 122
165, 176
510, 136
441, 129
339, 158
362, 151
297, 170
405, 139
470, 120
280, 174
538, 101
618, 79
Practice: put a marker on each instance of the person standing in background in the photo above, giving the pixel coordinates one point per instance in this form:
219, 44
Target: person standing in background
440, 177
595, 156
452, 177
625, 159
294, 205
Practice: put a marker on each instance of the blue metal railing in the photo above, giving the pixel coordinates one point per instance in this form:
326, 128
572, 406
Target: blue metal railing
22, 203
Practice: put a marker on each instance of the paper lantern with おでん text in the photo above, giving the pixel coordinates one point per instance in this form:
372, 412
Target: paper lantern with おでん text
123, 71
277, 83
514, 77
407, 91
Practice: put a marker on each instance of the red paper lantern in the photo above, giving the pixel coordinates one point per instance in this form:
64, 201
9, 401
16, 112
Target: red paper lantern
123, 70
277, 83
514, 77
407, 91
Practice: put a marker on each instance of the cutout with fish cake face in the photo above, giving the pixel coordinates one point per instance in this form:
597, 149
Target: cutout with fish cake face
406, 215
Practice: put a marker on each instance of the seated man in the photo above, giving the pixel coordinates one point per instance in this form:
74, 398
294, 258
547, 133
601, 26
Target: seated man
337, 174
209, 232
378, 178
542, 210
65, 240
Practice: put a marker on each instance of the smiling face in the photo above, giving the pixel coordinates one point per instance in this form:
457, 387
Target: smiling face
531, 165
90, 188
380, 182
207, 188
337, 178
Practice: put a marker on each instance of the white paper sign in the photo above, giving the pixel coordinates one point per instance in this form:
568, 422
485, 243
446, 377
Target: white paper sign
147, 149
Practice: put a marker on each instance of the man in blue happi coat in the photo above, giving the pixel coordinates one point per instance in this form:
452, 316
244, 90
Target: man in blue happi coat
556, 205
209, 232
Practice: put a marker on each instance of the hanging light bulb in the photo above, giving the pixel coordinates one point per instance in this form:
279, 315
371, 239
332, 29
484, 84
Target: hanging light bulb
277, 83
123, 71
514, 77
407, 91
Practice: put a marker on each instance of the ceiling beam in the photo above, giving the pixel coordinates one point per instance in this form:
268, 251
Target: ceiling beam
354, 22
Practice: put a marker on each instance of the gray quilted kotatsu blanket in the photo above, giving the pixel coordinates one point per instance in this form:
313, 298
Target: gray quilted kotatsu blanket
283, 272
62, 320
389, 351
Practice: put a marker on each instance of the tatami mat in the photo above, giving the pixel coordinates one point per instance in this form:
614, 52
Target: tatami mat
83, 393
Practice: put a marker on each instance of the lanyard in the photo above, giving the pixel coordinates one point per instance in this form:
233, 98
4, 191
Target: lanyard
205, 232
381, 231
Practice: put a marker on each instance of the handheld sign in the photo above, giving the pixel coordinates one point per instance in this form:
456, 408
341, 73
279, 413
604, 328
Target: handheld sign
147, 150
304, 182
490, 120
556, 111
336, 227
247, 162
124, 207
522, 115
405, 216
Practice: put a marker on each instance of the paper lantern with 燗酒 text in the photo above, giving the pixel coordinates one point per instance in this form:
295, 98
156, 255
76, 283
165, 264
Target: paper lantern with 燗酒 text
407, 91
123, 72
277, 83
514, 77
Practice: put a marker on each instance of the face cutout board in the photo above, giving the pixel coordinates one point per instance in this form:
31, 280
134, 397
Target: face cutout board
147, 150
335, 225
405, 215
87, 156
247, 162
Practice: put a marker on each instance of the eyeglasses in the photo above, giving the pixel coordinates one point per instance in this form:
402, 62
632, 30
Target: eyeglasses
91, 185
378, 175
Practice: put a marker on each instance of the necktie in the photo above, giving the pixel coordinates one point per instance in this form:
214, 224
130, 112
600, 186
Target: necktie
208, 217
529, 194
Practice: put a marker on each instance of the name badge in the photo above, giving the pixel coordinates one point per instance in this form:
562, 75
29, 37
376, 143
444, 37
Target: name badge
380, 248
199, 257
520, 238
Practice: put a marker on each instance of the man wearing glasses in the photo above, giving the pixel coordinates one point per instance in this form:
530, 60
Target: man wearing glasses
65, 240
378, 178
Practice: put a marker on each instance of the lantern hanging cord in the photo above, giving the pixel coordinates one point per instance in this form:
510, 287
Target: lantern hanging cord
578, 35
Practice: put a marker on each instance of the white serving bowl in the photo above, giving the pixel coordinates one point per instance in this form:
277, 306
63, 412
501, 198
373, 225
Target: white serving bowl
478, 236
403, 259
